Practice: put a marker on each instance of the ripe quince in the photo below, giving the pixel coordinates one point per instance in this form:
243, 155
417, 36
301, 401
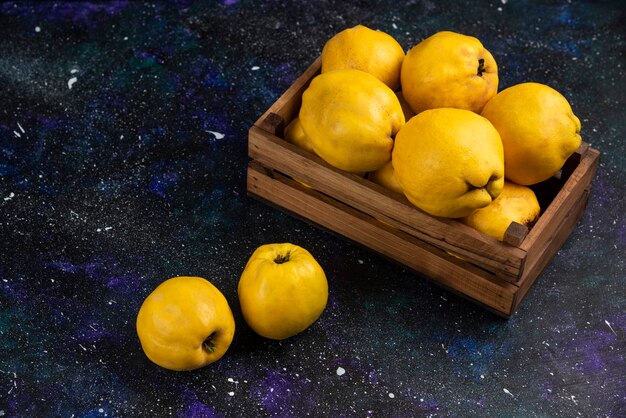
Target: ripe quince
351, 118
295, 134
386, 177
185, 323
449, 162
515, 204
282, 290
449, 69
361, 48
538, 129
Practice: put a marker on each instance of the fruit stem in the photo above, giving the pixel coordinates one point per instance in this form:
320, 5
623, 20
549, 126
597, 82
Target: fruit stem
208, 343
280, 259
481, 67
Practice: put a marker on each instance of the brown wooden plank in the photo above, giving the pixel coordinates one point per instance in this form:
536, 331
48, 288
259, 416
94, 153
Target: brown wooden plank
574, 160
444, 269
515, 234
556, 241
571, 192
466, 261
288, 104
447, 234
274, 124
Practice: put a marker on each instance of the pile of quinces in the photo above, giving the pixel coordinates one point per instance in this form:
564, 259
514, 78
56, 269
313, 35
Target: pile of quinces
430, 124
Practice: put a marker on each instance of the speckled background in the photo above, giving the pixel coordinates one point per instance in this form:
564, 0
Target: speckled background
122, 163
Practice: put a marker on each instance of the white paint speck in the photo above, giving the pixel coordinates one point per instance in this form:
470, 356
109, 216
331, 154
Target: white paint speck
394, 26
255, 68
126, 38
482, 376
81, 346
73, 71
21, 129
605, 321
341, 371
217, 135
231, 393
574, 399
37, 29
107, 228
101, 410
391, 395
504, 1
508, 393
71, 82
360, 261
10, 196
17, 134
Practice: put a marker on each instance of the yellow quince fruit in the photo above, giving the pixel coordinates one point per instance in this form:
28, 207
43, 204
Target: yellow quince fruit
361, 48
351, 118
449, 69
449, 162
515, 204
282, 290
295, 134
386, 177
538, 129
185, 323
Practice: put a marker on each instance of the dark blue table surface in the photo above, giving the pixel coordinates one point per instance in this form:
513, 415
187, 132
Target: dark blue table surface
122, 163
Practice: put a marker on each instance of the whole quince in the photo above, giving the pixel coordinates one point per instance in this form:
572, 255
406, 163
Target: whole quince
515, 204
449, 162
185, 323
351, 118
361, 48
449, 69
282, 290
539, 131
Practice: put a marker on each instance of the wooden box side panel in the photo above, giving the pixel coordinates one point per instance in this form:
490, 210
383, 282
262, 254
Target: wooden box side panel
288, 105
376, 201
448, 271
551, 221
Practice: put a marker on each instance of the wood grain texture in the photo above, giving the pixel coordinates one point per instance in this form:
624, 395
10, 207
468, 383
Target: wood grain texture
288, 104
571, 192
515, 234
447, 234
442, 268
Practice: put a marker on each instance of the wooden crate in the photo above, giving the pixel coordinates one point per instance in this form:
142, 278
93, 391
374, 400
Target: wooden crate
494, 274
